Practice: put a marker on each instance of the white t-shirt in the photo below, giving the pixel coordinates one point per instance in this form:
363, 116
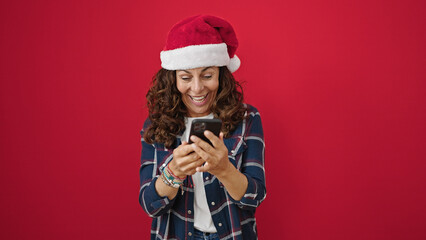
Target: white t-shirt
202, 217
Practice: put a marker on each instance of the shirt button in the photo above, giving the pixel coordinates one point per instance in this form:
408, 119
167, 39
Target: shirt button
213, 203
207, 178
220, 224
190, 234
189, 211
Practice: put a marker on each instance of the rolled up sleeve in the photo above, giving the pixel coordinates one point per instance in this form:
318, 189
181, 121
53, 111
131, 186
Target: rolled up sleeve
253, 162
153, 204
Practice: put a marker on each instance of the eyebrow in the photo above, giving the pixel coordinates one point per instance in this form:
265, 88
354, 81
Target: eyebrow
201, 70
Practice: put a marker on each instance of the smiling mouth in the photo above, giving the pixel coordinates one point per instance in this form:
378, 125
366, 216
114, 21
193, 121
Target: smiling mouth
198, 99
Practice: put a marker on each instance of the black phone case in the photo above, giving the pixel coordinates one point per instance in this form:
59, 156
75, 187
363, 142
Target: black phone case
198, 127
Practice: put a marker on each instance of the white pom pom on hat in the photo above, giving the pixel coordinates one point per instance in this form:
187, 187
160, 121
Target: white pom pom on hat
200, 41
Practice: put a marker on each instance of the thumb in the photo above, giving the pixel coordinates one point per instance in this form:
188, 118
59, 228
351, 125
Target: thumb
204, 168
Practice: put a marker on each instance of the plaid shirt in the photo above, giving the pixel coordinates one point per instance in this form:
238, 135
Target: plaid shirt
174, 219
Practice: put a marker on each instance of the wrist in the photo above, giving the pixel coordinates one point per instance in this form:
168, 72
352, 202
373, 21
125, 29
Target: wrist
227, 171
170, 179
173, 169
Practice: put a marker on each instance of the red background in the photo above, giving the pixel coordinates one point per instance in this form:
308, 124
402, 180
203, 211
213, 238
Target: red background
340, 86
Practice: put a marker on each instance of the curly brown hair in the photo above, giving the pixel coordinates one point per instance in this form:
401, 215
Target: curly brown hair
167, 111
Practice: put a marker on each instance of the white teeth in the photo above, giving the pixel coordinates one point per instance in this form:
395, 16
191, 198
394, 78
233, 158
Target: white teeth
198, 99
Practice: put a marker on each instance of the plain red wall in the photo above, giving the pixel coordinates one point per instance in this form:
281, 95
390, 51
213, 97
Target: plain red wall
340, 86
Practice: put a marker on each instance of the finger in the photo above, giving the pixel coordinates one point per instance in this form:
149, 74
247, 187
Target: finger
192, 166
221, 136
192, 157
203, 154
183, 150
202, 144
204, 168
188, 163
213, 138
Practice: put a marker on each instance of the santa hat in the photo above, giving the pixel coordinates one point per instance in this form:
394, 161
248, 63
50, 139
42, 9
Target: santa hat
200, 41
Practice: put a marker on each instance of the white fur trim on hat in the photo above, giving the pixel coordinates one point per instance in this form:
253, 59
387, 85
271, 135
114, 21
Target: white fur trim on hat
195, 56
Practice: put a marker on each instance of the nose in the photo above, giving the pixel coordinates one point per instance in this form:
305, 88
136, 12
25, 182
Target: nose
197, 85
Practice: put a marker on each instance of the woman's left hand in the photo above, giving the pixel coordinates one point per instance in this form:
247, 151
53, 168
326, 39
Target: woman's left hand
216, 156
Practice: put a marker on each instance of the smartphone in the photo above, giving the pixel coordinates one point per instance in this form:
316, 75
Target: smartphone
198, 126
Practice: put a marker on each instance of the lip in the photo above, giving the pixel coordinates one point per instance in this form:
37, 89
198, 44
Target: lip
199, 104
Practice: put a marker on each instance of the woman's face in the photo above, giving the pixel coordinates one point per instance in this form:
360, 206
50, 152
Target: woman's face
198, 87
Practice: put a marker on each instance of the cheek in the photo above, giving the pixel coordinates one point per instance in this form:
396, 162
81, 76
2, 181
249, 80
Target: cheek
215, 86
180, 87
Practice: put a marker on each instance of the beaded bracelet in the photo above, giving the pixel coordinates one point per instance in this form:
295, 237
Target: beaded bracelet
171, 179
168, 182
171, 172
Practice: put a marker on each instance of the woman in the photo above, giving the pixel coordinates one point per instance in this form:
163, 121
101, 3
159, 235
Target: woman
198, 190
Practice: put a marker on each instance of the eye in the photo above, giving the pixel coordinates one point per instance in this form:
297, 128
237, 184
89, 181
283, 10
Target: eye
207, 76
185, 78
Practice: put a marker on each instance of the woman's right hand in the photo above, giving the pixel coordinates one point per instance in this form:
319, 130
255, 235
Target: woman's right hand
185, 160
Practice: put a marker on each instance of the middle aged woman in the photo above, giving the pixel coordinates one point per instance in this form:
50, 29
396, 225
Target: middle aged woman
198, 190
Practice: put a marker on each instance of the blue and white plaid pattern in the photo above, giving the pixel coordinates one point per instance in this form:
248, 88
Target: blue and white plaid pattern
174, 219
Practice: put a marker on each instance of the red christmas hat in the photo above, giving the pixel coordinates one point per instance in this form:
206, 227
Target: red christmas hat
200, 41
